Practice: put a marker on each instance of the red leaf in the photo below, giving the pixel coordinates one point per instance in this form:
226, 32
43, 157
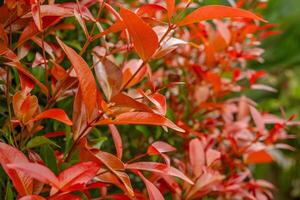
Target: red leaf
158, 168
58, 72
120, 179
116, 27
32, 30
216, 12
258, 119
47, 47
170, 7
37, 171
79, 116
145, 40
122, 100
81, 22
261, 156
17, 64
197, 156
109, 75
3, 39
117, 140
78, 174
157, 99
85, 76
153, 192
66, 196
32, 197
22, 182
130, 68
25, 106
212, 156
37, 17
141, 118
159, 147
55, 113
109, 160
114, 165
150, 9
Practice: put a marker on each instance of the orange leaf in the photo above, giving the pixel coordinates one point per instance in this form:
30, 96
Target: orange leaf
22, 182
159, 147
216, 12
109, 76
122, 100
141, 118
55, 113
32, 197
37, 171
261, 156
153, 192
36, 14
149, 9
197, 156
144, 39
159, 168
116, 27
170, 7
85, 76
132, 67
22, 70
117, 140
3, 39
78, 174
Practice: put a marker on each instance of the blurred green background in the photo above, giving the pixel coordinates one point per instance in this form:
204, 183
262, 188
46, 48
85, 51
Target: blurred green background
282, 61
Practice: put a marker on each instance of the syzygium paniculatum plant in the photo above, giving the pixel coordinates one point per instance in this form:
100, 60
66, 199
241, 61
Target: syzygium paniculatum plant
133, 100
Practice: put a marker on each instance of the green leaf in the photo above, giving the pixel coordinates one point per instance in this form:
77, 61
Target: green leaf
9, 193
40, 141
48, 156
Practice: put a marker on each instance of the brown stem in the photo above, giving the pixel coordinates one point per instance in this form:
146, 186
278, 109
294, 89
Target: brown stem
89, 125
45, 62
145, 61
136, 158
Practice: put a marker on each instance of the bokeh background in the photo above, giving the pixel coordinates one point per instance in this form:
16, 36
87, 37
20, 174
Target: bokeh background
282, 62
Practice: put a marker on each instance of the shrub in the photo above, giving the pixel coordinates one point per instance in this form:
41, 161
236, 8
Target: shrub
116, 67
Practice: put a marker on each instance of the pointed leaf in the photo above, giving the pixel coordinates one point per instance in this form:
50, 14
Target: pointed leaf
216, 12
153, 192
22, 70
109, 75
54, 113
158, 168
109, 160
197, 156
141, 118
257, 157
37, 171
39, 141
122, 100
32, 197
117, 140
170, 7
159, 147
85, 76
22, 182
145, 40
78, 174
258, 119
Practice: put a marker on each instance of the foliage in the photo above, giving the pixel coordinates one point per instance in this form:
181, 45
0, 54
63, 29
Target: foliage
122, 70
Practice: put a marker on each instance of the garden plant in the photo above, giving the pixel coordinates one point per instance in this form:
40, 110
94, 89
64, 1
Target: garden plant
106, 99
